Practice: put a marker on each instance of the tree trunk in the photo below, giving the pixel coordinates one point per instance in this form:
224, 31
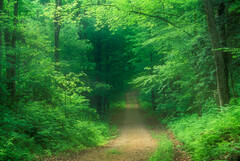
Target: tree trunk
222, 11
10, 43
234, 92
222, 82
222, 14
98, 60
1, 43
57, 28
153, 97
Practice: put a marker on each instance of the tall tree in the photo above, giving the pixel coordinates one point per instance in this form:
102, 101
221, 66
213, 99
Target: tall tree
1, 43
10, 43
153, 93
57, 28
222, 81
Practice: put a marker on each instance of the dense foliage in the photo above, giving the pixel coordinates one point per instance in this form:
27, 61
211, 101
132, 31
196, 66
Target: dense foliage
64, 62
214, 136
56, 78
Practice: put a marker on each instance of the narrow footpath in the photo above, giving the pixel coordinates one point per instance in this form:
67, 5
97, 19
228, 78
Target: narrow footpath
134, 143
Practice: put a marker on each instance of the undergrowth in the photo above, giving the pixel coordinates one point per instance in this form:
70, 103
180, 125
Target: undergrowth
213, 136
39, 131
165, 150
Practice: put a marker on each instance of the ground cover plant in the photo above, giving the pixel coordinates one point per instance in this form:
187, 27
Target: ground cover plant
213, 136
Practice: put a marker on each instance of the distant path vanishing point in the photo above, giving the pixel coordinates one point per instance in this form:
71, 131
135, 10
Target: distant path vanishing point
134, 142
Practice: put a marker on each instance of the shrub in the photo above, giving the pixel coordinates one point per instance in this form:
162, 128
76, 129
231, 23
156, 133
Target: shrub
40, 130
213, 136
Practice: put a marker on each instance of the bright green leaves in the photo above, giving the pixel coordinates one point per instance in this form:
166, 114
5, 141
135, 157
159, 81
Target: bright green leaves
178, 75
68, 13
214, 136
72, 83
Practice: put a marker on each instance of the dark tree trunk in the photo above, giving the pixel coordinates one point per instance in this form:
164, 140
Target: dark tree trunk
235, 94
10, 42
99, 104
57, 28
1, 35
222, 81
98, 60
99, 70
1, 5
222, 15
153, 97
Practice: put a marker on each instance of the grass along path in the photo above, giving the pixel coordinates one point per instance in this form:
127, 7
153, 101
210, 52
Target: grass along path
138, 139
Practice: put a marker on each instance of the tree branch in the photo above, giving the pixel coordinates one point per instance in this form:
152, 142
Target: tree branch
162, 19
147, 15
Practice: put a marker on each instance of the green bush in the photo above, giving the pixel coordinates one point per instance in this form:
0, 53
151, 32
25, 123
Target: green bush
213, 136
39, 130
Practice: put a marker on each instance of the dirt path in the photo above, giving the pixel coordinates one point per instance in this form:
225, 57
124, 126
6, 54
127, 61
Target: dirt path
135, 142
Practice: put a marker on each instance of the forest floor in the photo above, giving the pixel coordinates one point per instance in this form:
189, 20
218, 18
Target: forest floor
135, 141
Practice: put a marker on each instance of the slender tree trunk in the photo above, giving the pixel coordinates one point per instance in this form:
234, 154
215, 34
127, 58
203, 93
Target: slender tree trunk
222, 82
222, 14
57, 28
10, 43
98, 60
1, 36
235, 94
153, 97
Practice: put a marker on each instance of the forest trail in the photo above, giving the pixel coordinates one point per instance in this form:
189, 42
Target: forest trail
134, 143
